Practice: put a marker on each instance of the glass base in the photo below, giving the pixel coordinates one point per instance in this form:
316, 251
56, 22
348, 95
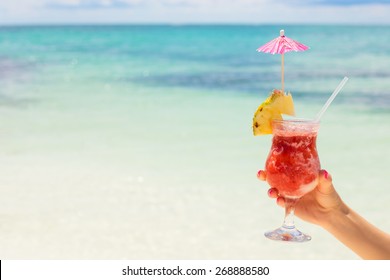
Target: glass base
287, 234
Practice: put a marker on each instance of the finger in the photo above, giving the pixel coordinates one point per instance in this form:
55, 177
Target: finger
325, 185
280, 201
261, 175
273, 193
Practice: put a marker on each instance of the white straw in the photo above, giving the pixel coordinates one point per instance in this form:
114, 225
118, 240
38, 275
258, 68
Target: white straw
336, 91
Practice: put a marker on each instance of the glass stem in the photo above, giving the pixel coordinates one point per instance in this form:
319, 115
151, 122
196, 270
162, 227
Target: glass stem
289, 213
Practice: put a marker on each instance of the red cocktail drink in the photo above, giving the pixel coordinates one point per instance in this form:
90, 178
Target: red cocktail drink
293, 164
292, 167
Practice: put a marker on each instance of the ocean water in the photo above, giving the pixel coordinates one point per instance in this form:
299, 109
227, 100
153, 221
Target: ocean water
135, 142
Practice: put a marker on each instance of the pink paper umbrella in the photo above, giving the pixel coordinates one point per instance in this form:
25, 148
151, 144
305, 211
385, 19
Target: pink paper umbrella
281, 45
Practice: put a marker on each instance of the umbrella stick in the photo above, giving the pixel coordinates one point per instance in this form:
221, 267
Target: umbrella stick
283, 72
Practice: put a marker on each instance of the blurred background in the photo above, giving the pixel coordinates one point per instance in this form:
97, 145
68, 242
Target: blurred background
125, 125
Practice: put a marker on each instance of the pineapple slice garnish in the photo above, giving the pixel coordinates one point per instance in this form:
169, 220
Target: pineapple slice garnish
272, 108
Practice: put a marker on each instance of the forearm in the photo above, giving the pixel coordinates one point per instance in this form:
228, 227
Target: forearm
358, 234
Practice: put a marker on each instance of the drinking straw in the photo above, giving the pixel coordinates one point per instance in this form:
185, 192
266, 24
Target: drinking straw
336, 91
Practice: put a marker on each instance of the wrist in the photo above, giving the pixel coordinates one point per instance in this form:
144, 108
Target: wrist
335, 217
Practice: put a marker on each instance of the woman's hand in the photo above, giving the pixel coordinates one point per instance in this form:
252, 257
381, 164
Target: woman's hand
324, 207
316, 207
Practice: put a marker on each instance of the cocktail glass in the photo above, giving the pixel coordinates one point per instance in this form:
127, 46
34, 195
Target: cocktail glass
292, 168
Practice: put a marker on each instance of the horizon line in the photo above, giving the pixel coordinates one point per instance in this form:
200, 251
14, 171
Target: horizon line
47, 24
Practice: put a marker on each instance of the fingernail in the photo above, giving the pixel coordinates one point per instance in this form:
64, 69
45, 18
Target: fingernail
259, 173
326, 174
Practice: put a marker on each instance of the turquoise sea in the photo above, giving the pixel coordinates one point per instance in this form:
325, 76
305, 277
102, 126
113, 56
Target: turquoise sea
135, 142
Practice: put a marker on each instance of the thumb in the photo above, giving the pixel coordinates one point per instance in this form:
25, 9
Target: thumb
325, 185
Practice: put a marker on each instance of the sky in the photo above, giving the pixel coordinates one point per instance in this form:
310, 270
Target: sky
194, 11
